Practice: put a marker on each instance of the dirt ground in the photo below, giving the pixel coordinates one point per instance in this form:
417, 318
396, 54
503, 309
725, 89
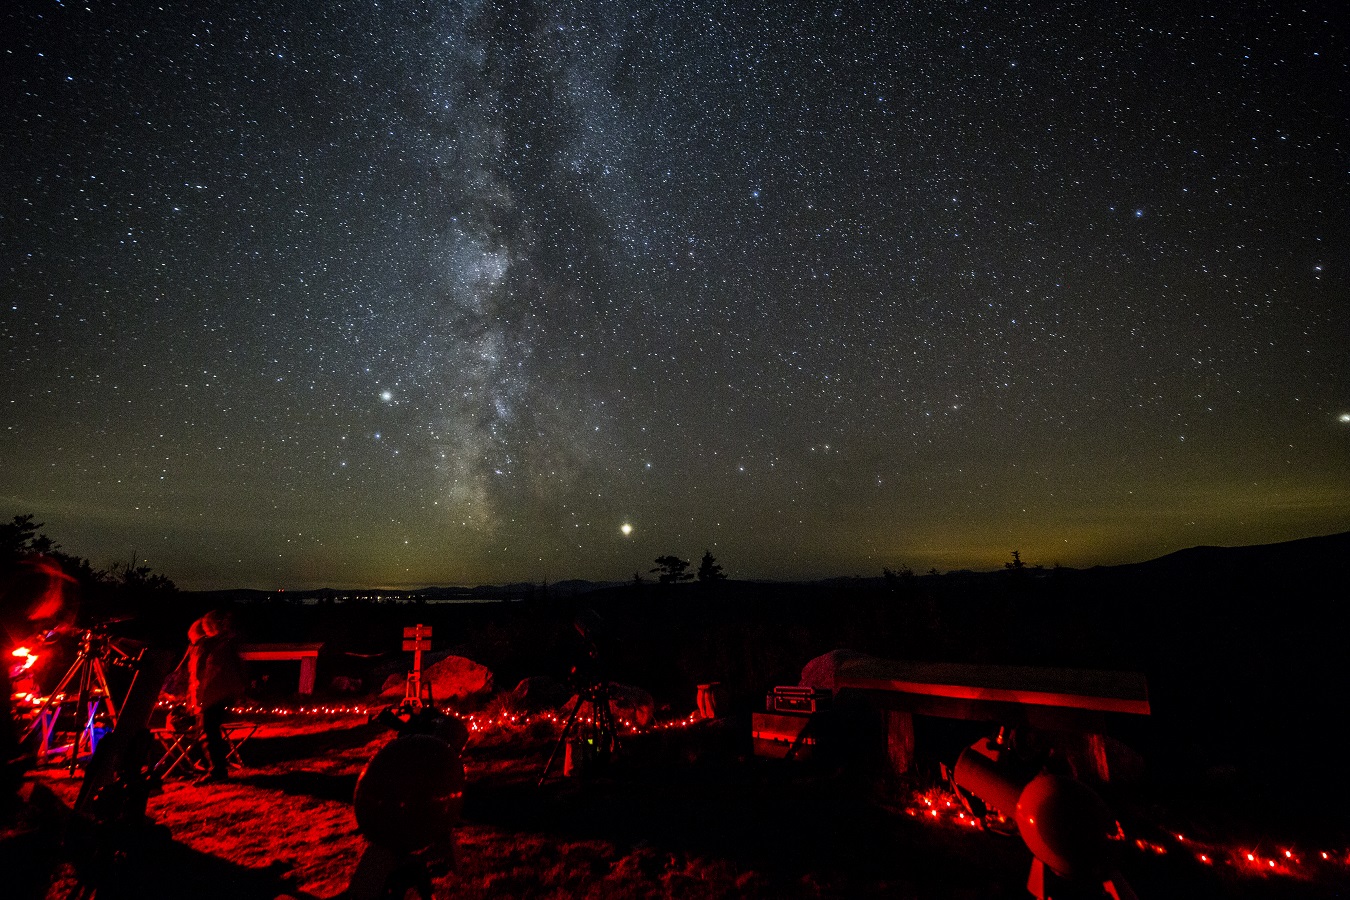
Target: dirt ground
687, 813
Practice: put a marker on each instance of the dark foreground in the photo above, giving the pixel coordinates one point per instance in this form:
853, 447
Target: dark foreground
687, 814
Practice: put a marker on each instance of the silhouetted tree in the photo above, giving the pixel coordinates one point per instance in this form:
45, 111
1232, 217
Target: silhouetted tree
709, 570
29, 563
898, 582
27, 553
20, 537
1019, 574
139, 579
672, 569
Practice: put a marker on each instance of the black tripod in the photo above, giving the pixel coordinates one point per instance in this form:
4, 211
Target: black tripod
593, 737
96, 648
590, 741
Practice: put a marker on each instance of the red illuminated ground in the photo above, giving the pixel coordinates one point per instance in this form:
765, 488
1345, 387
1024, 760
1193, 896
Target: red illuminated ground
687, 815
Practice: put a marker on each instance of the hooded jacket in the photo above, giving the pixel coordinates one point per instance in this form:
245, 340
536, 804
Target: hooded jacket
215, 672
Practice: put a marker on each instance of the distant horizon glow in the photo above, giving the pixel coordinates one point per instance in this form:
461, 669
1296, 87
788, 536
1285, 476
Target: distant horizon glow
346, 295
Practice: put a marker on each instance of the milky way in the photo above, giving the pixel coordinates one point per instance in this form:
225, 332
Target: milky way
348, 293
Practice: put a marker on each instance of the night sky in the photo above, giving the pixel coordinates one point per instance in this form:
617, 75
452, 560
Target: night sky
356, 293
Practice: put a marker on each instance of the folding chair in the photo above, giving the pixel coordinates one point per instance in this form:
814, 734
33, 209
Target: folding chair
236, 736
184, 748
179, 749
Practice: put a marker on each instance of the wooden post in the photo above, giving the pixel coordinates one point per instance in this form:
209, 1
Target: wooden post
899, 740
308, 668
416, 638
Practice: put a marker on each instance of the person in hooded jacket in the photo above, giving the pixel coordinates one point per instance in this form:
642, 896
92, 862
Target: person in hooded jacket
215, 678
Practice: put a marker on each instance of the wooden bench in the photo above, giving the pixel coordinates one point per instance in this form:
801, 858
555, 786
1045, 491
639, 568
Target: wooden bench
1064, 700
306, 654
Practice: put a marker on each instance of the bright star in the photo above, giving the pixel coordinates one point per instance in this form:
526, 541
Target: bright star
1345, 417
386, 396
626, 529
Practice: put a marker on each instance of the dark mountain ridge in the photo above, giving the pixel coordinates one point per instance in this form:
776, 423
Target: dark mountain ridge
1320, 553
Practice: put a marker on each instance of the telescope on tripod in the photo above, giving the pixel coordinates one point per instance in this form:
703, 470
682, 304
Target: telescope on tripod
589, 741
82, 700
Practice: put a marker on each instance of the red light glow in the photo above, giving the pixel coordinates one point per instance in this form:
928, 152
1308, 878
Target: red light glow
940, 804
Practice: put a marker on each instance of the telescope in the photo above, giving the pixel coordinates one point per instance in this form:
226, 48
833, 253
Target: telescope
589, 741
83, 693
1065, 825
408, 801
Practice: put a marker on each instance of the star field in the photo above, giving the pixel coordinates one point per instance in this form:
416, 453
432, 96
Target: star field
407, 293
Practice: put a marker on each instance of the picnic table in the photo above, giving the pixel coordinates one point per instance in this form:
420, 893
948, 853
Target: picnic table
306, 654
1053, 699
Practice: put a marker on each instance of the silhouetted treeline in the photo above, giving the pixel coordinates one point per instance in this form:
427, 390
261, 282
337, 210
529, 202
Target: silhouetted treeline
1242, 647
42, 585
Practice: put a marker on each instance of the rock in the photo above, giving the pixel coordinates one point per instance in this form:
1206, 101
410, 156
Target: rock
626, 702
537, 693
344, 684
821, 671
458, 678
393, 686
451, 678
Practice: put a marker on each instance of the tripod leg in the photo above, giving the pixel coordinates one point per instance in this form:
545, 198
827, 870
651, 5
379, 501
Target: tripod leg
51, 698
91, 716
81, 705
603, 729
48, 731
562, 740
102, 676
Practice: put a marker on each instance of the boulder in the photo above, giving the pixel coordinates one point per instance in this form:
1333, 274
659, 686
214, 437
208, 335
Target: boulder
451, 678
629, 705
346, 684
393, 686
820, 672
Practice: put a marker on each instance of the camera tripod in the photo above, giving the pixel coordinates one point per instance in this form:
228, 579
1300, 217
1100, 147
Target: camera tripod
89, 673
593, 737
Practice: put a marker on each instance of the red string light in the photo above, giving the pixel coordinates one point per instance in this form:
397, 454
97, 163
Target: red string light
934, 805
938, 807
